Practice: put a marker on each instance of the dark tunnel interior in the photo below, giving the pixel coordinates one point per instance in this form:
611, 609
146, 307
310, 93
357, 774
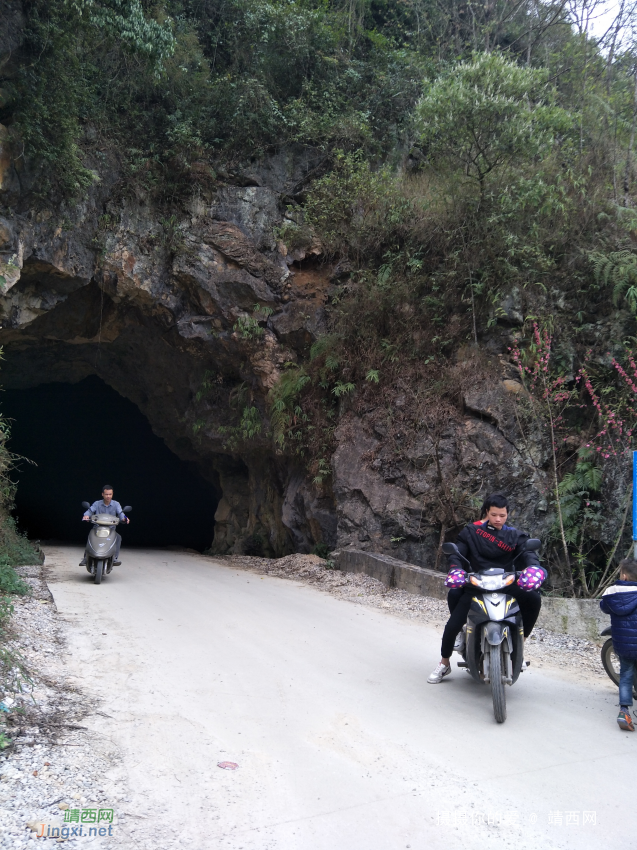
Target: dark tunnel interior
84, 435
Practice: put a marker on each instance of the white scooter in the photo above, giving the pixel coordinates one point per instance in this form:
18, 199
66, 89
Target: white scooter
102, 543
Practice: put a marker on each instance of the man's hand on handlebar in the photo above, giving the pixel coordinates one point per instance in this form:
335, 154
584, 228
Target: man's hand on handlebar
85, 518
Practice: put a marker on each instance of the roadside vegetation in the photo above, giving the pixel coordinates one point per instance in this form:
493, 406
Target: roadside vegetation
475, 194
15, 550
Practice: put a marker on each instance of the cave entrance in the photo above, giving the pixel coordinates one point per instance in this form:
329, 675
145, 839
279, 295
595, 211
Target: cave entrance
84, 435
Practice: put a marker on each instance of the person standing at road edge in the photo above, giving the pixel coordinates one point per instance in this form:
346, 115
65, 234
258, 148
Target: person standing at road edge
620, 601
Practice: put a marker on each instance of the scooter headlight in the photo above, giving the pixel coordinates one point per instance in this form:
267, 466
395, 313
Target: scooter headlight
102, 532
492, 582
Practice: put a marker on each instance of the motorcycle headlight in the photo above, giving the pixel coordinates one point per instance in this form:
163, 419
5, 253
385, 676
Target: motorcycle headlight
493, 583
102, 532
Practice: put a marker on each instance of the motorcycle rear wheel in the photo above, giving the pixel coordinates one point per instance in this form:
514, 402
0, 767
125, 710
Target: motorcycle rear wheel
99, 566
610, 660
497, 685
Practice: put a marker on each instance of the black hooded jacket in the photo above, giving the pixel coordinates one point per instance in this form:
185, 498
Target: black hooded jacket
485, 547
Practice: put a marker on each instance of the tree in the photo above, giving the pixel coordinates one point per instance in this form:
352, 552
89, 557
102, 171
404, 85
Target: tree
488, 113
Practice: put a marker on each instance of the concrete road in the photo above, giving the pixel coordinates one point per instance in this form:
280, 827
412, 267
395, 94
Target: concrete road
324, 704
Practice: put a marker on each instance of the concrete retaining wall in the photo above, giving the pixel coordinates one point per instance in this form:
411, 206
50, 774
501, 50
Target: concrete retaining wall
392, 572
577, 617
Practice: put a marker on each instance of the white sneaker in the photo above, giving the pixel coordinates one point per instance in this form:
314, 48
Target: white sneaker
439, 673
460, 640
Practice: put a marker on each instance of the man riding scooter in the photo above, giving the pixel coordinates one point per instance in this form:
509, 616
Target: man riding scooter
106, 505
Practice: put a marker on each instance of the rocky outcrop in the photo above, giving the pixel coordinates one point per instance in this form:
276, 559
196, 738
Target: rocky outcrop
167, 313
408, 501
193, 316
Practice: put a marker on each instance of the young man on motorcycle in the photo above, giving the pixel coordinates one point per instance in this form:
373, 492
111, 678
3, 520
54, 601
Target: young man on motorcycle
106, 505
486, 544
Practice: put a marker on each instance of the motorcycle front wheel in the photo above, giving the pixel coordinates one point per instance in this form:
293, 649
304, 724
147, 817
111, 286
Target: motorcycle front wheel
99, 567
497, 685
610, 660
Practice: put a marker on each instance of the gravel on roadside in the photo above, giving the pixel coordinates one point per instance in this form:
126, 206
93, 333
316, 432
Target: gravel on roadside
56, 769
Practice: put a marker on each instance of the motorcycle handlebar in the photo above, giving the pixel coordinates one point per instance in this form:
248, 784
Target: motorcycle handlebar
506, 573
90, 519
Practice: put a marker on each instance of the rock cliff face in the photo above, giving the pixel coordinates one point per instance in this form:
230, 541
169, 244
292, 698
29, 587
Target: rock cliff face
185, 314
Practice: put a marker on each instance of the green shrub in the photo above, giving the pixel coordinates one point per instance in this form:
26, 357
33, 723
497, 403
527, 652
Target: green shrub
6, 610
356, 210
16, 548
10, 581
322, 550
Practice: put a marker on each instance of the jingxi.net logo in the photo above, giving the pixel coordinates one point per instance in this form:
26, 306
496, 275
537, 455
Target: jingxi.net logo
79, 823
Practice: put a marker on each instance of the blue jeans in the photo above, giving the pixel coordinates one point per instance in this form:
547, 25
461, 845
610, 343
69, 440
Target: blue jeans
627, 669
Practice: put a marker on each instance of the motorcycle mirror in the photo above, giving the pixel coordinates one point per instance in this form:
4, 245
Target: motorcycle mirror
127, 509
450, 549
533, 544
85, 505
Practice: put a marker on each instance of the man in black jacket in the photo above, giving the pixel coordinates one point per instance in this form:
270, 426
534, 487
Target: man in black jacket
486, 544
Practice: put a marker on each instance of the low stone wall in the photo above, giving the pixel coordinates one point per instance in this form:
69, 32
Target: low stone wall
577, 617
392, 572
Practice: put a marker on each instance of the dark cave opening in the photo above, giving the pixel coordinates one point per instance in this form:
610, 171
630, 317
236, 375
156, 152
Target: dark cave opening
84, 435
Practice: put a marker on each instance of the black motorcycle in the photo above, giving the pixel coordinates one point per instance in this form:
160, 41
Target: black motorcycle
494, 645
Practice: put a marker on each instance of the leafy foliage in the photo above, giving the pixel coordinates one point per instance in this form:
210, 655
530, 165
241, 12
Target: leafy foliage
126, 21
355, 208
578, 490
285, 410
619, 269
10, 582
179, 82
249, 327
487, 113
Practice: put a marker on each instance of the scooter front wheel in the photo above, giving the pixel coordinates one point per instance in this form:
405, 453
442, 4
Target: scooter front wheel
497, 685
99, 568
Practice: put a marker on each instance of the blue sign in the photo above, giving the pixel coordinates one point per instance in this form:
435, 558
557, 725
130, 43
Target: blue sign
635, 500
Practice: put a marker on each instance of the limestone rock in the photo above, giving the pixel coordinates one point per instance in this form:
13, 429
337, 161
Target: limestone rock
254, 209
162, 298
514, 387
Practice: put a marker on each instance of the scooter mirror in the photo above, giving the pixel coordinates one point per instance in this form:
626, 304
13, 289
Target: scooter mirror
127, 509
533, 544
450, 549
85, 505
